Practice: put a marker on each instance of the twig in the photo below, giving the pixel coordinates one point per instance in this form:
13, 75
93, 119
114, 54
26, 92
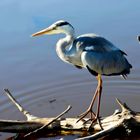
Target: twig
56, 118
20, 108
125, 107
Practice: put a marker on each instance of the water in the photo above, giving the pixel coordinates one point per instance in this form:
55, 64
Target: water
32, 71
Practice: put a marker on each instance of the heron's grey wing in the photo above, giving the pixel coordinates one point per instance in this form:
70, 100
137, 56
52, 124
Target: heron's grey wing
89, 43
105, 63
98, 43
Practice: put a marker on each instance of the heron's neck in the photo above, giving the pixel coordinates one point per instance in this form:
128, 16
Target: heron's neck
63, 45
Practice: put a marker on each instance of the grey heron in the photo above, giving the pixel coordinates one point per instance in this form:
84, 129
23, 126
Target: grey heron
93, 52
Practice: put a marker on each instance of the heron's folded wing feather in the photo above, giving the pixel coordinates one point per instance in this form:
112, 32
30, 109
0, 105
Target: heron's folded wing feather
106, 63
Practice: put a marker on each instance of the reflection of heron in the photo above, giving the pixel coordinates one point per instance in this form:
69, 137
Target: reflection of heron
90, 51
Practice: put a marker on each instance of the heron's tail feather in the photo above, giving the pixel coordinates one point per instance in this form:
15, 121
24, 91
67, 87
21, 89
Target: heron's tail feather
126, 71
124, 76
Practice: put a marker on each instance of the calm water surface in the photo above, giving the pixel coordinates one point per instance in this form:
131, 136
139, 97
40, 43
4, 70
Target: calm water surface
35, 75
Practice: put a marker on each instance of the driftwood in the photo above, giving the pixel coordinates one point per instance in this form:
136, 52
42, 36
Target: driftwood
125, 122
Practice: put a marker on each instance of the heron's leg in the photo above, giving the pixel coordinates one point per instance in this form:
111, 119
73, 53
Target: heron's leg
89, 110
97, 117
99, 94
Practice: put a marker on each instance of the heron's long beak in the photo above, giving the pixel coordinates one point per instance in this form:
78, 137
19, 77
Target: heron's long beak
48, 30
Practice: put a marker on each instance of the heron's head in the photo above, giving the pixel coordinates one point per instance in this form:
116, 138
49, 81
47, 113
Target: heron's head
58, 27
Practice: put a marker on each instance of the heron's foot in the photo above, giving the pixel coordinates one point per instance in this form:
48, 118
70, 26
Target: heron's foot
94, 118
87, 112
94, 121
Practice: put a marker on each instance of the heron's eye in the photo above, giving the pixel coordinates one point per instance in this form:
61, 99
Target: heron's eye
55, 27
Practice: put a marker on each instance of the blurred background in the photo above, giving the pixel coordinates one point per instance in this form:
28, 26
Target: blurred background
44, 84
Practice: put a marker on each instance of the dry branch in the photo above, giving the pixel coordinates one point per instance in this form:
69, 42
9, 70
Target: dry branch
47, 124
21, 109
127, 120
